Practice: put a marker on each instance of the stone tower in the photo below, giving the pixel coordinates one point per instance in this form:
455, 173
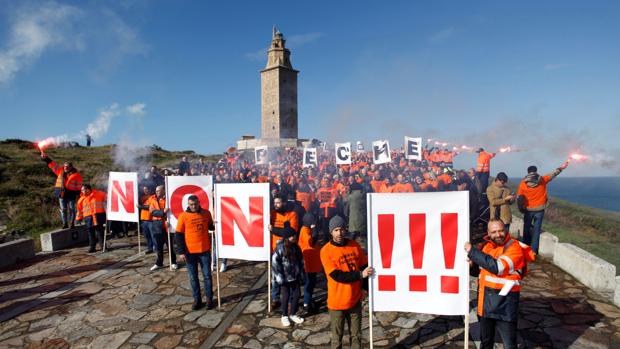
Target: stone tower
278, 92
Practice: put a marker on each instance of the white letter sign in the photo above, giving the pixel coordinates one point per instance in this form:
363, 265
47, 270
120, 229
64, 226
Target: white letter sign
122, 197
415, 244
343, 153
260, 155
309, 157
381, 152
180, 188
413, 148
242, 213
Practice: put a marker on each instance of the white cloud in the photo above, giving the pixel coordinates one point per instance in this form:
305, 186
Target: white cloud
136, 110
35, 30
442, 35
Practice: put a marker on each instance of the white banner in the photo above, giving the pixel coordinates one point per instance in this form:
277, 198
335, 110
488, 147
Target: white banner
413, 148
381, 152
310, 159
343, 153
242, 213
415, 244
261, 155
179, 188
122, 197
359, 146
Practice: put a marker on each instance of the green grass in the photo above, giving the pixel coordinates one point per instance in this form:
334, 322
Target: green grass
27, 184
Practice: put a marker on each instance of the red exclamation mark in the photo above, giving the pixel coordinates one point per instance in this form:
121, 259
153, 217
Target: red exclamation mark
449, 234
417, 237
386, 246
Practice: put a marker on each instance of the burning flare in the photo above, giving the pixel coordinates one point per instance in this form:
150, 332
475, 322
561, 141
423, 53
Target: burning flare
577, 156
505, 150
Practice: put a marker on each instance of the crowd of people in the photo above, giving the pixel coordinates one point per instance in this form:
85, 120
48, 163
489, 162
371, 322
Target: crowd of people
318, 216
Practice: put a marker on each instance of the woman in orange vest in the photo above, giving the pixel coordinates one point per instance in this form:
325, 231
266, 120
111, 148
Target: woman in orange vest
91, 210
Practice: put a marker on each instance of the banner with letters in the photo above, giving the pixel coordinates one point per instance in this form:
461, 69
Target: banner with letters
122, 197
381, 152
261, 155
242, 213
413, 148
343, 153
416, 245
359, 146
179, 188
310, 158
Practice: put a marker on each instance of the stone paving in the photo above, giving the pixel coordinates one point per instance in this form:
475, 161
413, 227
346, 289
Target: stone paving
70, 299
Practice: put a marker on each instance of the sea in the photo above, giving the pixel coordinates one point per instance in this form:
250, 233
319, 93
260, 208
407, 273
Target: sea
598, 192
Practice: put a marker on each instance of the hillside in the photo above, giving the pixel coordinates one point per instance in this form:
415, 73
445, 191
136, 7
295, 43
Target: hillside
27, 203
26, 183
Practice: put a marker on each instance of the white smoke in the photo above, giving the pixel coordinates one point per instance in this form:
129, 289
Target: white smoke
131, 152
101, 125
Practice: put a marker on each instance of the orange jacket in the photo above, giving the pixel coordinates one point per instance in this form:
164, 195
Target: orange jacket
402, 188
71, 181
376, 185
311, 251
306, 199
502, 267
145, 215
535, 197
484, 161
89, 206
277, 221
351, 257
445, 178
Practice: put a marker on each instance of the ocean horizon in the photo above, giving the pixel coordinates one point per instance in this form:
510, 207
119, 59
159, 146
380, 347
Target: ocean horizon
597, 192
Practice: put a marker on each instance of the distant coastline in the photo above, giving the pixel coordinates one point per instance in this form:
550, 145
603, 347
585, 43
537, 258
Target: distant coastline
597, 192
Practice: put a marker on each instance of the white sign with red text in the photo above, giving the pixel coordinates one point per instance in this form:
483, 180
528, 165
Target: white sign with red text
122, 197
180, 188
416, 245
242, 215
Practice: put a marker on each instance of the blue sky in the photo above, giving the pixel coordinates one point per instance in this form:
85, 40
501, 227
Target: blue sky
541, 76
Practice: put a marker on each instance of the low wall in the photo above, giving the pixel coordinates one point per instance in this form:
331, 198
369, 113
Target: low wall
63, 238
592, 271
16, 251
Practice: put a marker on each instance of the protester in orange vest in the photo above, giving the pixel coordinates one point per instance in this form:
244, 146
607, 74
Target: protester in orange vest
91, 210
145, 218
377, 182
533, 193
194, 246
310, 244
345, 265
159, 227
503, 264
67, 188
402, 186
484, 167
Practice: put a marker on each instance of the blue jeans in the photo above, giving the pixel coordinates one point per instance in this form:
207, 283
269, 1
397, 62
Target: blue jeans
193, 260
275, 290
532, 226
67, 204
146, 230
309, 288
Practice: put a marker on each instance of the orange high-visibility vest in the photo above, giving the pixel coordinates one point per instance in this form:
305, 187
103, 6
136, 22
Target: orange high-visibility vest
484, 161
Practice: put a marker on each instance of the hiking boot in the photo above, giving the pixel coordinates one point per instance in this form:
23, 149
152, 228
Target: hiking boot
197, 305
210, 304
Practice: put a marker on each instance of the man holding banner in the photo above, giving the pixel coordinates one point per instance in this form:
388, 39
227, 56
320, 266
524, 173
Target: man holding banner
345, 265
194, 246
503, 262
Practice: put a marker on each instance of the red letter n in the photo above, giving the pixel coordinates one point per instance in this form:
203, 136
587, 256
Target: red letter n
252, 230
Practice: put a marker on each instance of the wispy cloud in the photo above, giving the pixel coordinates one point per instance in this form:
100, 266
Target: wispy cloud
555, 66
293, 41
136, 110
442, 35
35, 30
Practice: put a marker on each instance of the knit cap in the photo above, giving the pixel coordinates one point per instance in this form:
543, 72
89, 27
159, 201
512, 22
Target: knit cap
336, 222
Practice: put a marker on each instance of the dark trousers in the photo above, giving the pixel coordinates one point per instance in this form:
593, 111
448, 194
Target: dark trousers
532, 226
309, 288
204, 260
484, 180
353, 317
289, 293
507, 331
95, 233
160, 239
